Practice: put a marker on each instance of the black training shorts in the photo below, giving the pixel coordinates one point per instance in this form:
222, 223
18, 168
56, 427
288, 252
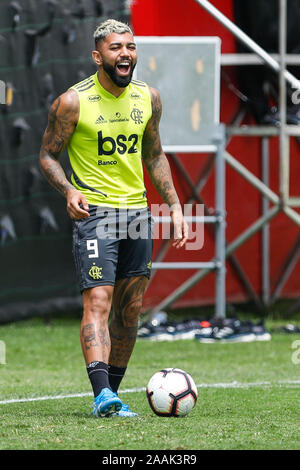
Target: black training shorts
112, 244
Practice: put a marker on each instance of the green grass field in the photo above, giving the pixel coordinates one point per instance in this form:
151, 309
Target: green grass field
248, 394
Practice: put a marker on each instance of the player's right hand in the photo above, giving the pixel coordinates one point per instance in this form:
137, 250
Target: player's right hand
77, 205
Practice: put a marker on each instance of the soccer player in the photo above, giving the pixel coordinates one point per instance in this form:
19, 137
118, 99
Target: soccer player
110, 124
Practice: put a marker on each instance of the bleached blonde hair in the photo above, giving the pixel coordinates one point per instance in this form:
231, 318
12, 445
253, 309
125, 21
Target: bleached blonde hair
110, 26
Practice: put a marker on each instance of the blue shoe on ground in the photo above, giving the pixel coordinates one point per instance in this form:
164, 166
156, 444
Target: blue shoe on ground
106, 403
125, 412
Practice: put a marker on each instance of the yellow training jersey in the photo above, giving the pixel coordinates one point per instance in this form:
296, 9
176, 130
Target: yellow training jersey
105, 149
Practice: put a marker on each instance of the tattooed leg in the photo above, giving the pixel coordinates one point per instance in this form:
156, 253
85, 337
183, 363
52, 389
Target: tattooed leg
127, 303
94, 332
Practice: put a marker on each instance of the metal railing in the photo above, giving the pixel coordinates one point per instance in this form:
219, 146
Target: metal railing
217, 264
282, 201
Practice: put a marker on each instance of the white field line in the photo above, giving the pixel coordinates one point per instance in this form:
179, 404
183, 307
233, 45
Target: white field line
233, 384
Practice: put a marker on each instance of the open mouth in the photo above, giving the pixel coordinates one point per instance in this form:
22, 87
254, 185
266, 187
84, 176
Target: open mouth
123, 68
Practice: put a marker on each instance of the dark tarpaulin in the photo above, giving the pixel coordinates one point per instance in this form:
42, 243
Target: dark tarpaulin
45, 47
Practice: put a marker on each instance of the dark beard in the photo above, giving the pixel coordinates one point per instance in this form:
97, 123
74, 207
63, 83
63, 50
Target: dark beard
121, 82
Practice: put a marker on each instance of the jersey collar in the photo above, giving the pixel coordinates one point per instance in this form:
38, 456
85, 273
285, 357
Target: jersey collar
107, 93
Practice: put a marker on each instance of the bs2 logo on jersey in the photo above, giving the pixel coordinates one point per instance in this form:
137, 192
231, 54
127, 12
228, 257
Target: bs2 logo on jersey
109, 145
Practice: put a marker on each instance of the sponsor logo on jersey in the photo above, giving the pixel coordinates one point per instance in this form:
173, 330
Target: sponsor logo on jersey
119, 118
137, 116
95, 272
100, 120
135, 96
122, 144
94, 98
107, 162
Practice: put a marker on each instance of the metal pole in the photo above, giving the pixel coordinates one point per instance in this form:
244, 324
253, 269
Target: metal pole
257, 183
186, 176
255, 227
253, 131
185, 265
286, 270
265, 248
251, 178
283, 138
248, 41
292, 214
263, 131
166, 219
220, 226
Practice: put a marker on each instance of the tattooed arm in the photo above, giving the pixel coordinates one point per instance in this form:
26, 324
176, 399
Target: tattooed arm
62, 120
159, 171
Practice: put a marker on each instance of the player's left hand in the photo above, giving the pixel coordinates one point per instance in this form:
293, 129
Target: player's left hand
181, 229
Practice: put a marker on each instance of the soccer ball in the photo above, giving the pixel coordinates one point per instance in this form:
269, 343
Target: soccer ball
171, 392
